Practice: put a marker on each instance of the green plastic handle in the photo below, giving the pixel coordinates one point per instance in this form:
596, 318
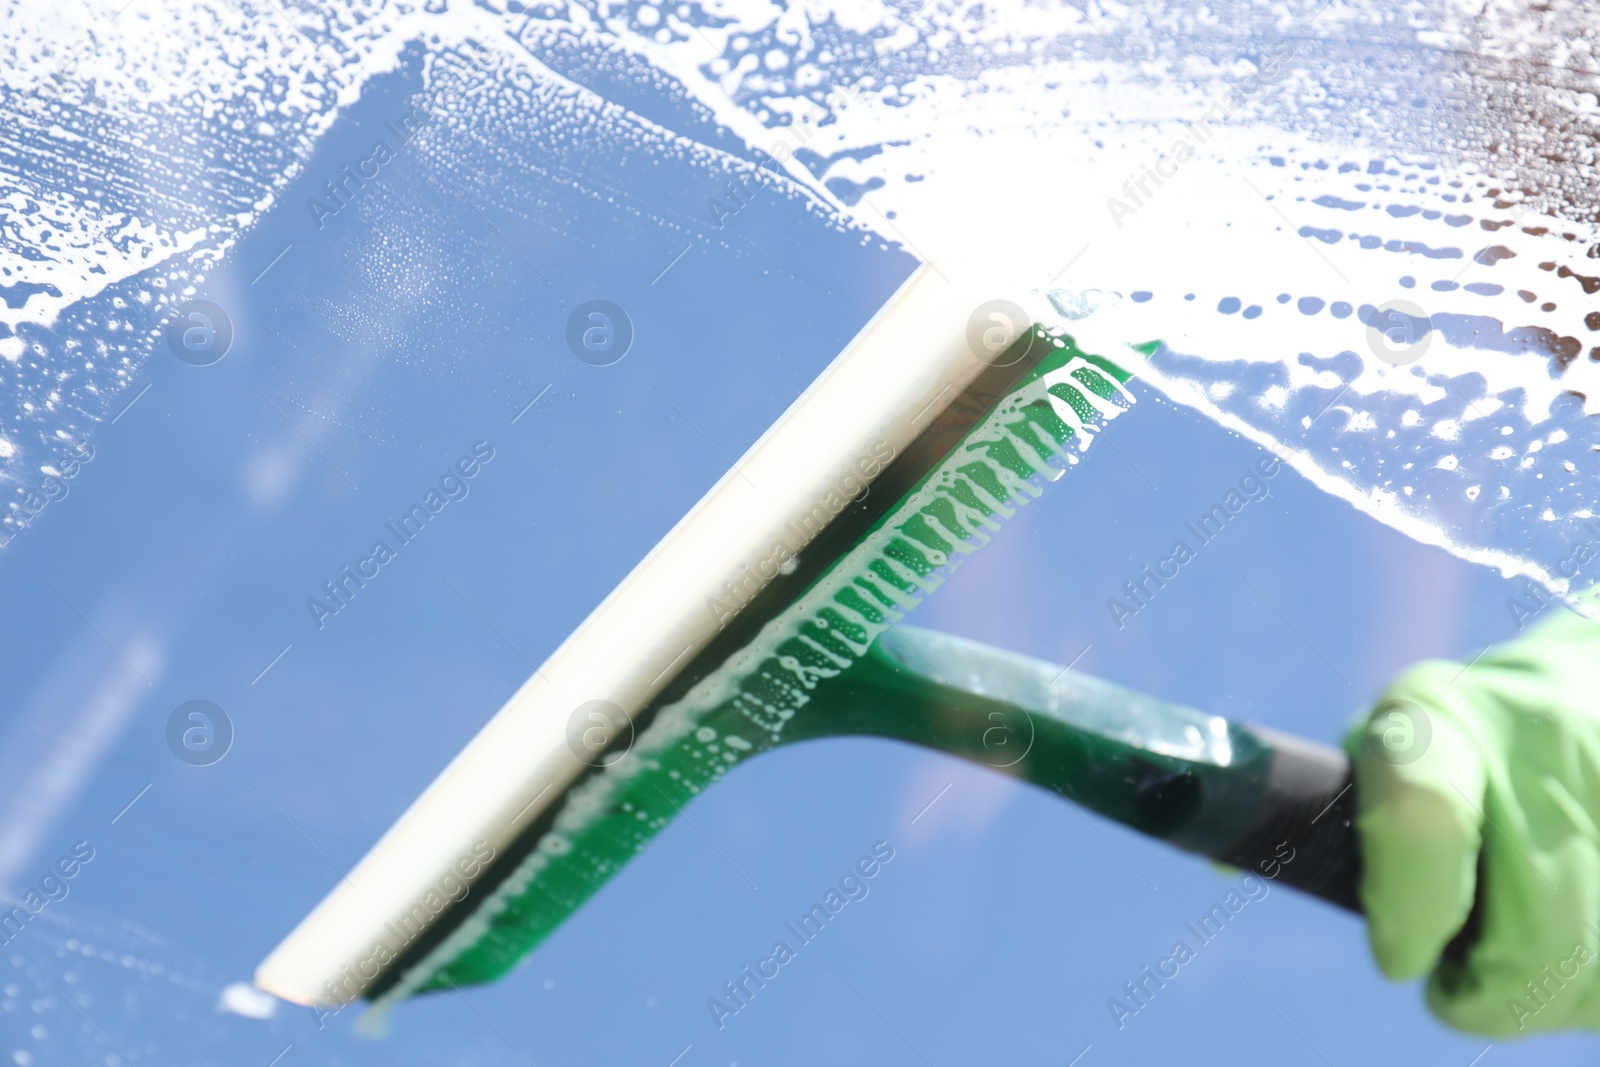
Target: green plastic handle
1243, 795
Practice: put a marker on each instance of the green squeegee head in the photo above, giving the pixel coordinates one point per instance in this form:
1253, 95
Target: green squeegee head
743, 629
777, 686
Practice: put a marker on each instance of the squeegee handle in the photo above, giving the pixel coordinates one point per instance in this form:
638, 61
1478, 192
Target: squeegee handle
1302, 829
1309, 804
1277, 806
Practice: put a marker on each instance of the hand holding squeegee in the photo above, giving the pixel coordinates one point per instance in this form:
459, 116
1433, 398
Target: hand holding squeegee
770, 614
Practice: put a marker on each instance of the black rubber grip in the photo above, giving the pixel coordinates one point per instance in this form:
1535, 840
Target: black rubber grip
1302, 832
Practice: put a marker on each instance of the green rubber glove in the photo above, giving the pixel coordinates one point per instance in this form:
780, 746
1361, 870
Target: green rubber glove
1492, 768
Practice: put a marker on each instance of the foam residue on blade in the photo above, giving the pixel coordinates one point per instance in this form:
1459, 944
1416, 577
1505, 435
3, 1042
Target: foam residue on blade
744, 706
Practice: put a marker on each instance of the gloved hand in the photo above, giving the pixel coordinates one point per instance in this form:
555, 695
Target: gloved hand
1490, 771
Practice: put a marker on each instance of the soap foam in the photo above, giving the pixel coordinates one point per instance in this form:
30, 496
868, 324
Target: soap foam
1236, 182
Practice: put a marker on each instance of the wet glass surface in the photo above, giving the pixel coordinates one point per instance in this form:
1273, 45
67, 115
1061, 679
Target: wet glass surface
273, 275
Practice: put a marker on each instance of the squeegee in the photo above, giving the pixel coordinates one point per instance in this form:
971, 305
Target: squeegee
771, 613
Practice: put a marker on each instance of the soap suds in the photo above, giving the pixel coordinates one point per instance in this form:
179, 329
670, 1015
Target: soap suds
1363, 274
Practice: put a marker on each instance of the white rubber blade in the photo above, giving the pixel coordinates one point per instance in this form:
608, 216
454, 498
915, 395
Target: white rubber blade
901, 371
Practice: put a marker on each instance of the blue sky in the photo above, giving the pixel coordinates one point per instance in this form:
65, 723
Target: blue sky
381, 347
